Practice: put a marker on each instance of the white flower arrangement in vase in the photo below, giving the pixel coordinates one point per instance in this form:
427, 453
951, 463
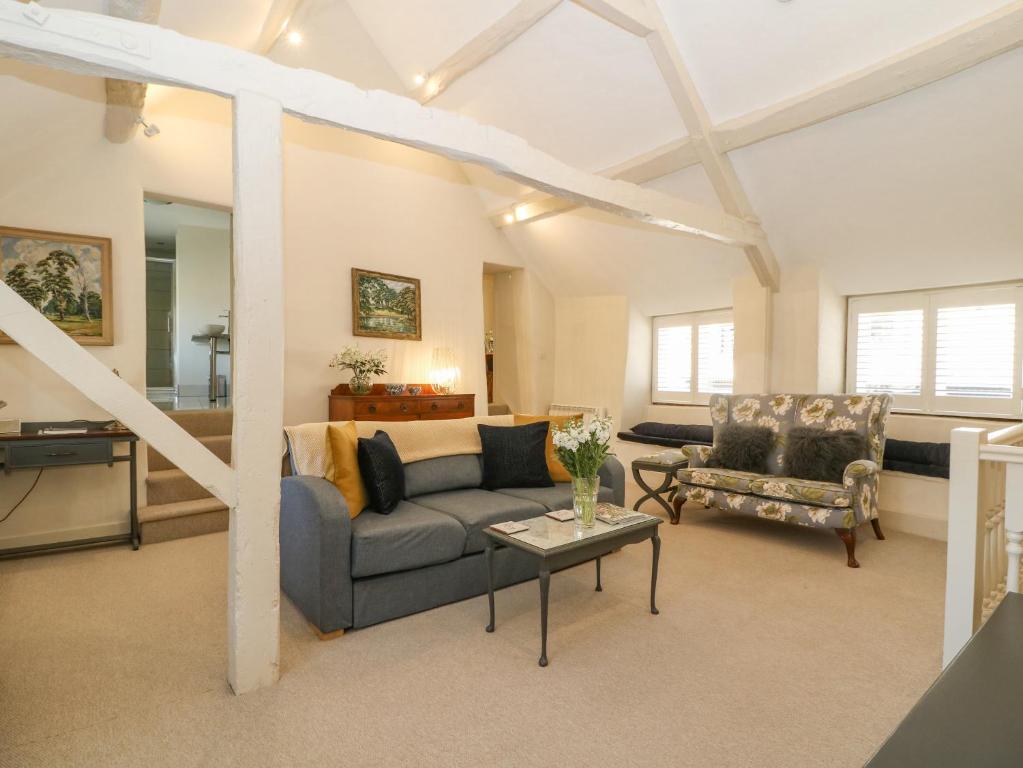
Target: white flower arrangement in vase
362, 365
582, 449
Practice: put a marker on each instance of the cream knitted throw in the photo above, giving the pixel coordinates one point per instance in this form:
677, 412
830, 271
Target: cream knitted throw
415, 440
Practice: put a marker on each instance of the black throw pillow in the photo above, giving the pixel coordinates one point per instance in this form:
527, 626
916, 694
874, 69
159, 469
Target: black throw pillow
382, 472
742, 448
815, 454
515, 457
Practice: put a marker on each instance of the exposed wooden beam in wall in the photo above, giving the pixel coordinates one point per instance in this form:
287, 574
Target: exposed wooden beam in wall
955, 51
630, 15
277, 19
666, 159
98, 45
719, 168
126, 99
257, 333
505, 30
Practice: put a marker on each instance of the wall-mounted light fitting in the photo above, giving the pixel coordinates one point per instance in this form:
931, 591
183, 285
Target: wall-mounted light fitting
149, 129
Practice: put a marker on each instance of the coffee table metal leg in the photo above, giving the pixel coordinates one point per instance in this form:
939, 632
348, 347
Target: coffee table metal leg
599, 588
656, 541
490, 584
545, 584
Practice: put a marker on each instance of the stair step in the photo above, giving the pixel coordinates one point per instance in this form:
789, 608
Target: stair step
167, 486
204, 423
180, 520
220, 445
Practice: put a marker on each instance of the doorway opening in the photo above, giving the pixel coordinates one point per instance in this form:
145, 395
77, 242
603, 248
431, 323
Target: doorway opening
188, 305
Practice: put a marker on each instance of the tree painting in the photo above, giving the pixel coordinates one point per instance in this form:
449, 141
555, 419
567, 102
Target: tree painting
65, 277
386, 306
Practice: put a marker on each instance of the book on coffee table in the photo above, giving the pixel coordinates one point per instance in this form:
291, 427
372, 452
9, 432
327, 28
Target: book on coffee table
562, 515
612, 514
510, 527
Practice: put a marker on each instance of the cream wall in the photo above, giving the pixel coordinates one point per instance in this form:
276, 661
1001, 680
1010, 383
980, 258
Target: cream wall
202, 276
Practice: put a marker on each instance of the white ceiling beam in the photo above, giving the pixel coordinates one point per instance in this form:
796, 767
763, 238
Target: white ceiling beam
505, 30
126, 99
719, 168
278, 18
99, 45
666, 159
630, 15
947, 54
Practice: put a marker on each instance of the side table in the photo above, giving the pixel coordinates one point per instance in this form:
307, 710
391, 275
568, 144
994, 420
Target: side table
667, 464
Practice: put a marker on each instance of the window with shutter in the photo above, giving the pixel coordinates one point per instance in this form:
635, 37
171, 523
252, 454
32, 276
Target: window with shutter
693, 356
715, 357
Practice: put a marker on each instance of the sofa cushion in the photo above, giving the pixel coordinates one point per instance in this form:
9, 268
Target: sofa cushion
557, 470
558, 497
515, 457
818, 454
410, 536
344, 473
814, 492
476, 509
742, 448
717, 477
382, 472
446, 473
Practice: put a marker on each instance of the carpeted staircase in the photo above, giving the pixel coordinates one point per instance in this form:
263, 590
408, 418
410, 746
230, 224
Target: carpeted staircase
177, 506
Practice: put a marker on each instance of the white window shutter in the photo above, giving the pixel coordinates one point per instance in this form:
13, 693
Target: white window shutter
674, 356
974, 351
889, 352
715, 358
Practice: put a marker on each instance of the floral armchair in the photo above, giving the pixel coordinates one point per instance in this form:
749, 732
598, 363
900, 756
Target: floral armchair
839, 506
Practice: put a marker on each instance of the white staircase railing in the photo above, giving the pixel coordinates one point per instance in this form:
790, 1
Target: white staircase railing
985, 528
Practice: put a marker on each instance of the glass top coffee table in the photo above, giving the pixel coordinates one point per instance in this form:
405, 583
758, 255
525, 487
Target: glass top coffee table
559, 545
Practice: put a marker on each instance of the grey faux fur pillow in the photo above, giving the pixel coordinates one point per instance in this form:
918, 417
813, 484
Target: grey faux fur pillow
742, 448
814, 454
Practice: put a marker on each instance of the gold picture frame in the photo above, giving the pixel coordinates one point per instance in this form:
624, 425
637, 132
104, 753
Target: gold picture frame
66, 277
386, 306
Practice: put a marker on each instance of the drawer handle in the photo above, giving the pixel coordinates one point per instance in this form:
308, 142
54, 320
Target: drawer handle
433, 406
404, 408
62, 453
372, 409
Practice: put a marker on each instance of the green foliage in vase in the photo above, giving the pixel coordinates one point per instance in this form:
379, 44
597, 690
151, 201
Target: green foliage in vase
361, 364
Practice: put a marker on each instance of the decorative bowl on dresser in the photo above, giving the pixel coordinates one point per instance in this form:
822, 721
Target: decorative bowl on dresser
380, 406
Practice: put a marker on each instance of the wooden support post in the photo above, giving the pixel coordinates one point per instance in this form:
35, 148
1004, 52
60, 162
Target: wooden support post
1013, 522
257, 334
965, 540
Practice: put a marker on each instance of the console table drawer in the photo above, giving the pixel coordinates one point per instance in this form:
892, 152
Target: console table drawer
54, 454
446, 407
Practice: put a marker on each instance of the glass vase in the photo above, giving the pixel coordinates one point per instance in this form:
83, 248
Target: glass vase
359, 385
584, 500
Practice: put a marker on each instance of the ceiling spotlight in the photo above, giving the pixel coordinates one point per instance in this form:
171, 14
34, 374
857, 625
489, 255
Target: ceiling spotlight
150, 129
419, 78
521, 212
509, 218
294, 37
432, 88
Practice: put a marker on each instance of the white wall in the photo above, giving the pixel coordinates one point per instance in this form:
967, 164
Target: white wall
202, 274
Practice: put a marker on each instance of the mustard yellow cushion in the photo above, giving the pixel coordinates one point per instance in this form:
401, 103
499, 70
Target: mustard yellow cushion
558, 472
344, 449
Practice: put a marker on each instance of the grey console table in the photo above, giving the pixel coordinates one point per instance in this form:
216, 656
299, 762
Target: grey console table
970, 716
30, 449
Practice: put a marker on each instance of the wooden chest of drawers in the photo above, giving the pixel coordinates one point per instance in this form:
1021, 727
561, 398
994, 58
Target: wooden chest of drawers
380, 406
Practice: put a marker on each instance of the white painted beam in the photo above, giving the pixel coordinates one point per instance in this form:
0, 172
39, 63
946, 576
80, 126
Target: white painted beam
945, 55
697, 121
126, 99
69, 360
98, 45
521, 18
666, 159
278, 17
630, 15
257, 335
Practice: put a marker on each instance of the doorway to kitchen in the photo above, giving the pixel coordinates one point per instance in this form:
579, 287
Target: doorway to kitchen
188, 305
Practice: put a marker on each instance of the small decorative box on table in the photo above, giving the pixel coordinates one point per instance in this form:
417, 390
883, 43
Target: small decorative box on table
417, 401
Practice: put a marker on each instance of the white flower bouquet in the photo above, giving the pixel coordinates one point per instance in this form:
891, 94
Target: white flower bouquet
362, 365
582, 449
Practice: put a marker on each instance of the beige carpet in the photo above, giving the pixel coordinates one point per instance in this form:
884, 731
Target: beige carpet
768, 652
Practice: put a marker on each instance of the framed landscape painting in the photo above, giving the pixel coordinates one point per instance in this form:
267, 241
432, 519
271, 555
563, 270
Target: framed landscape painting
66, 277
386, 306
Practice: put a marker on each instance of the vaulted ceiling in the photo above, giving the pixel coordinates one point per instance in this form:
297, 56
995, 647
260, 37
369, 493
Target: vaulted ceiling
918, 190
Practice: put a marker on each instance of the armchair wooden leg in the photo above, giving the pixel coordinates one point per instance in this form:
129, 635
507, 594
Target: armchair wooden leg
877, 529
676, 505
848, 537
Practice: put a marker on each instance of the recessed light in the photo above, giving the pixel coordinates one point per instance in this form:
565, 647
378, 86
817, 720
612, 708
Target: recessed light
432, 88
521, 212
419, 78
294, 37
509, 218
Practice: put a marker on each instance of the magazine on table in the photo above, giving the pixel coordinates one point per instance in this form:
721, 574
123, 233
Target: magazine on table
612, 514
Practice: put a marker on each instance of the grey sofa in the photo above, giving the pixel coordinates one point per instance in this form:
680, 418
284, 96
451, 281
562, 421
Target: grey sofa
347, 573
